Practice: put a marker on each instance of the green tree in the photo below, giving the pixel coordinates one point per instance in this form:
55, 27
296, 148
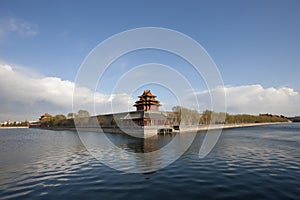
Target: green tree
83, 113
82, 118
185, 116
113, 122
206, 117
71, 115
59, 120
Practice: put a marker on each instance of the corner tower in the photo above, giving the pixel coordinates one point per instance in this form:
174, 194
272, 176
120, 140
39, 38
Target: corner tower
147, 101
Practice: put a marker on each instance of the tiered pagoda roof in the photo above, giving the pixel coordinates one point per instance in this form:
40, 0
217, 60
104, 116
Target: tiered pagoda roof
146, 100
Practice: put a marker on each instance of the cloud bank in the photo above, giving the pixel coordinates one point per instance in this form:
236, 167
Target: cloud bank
25, 96
254, 99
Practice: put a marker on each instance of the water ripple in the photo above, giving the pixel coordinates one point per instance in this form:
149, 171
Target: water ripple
247, 163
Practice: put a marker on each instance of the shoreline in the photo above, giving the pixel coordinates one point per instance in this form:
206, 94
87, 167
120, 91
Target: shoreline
13, 127
226, 126
242, 125
184, 129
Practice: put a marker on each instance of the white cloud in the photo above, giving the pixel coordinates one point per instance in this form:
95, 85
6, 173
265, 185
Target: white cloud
16, 26
24, 96
255, 99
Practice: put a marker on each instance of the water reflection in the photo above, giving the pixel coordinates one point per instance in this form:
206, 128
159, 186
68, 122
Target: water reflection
136, 155
141, 145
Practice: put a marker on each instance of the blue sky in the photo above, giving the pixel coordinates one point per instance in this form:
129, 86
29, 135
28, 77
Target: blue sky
253, 43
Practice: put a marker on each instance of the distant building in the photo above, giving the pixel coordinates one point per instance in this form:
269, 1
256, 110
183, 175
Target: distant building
147, 112
46, 115
146, 120
34, 124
